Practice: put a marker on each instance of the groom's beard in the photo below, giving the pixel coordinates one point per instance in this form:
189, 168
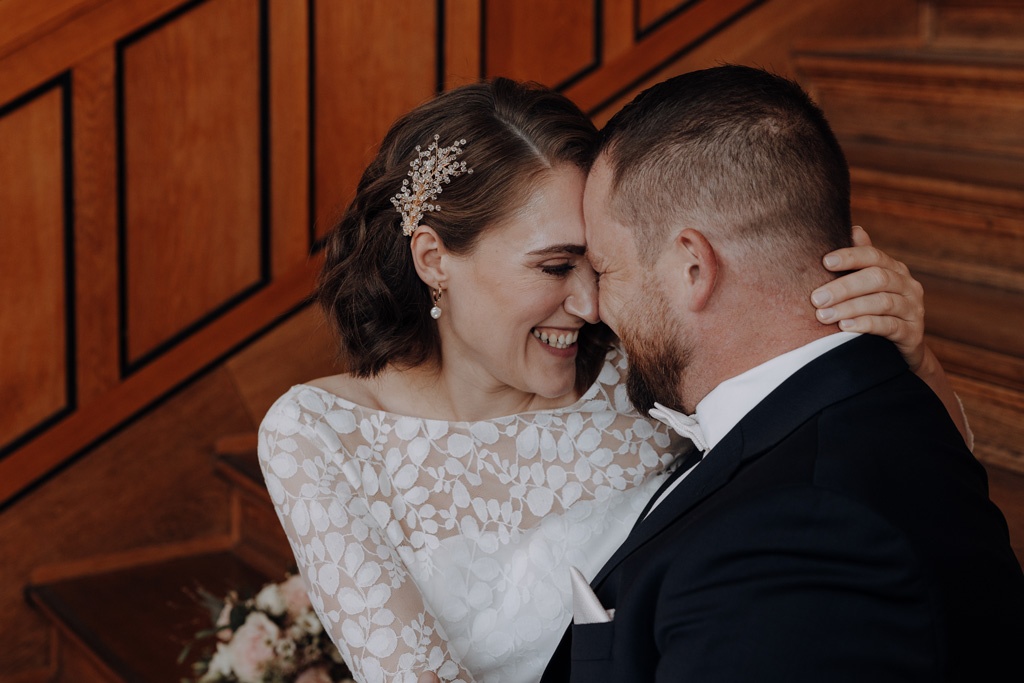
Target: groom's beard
656, 359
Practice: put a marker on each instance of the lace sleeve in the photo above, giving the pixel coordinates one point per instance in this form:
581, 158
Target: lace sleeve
358, 583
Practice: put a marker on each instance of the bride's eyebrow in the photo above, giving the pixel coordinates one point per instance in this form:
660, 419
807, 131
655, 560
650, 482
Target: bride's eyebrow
556, 249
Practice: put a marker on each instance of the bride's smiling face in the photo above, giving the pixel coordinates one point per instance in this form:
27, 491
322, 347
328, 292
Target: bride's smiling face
513, 307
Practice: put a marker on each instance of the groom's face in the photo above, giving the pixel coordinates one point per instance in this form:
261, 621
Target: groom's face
632, 303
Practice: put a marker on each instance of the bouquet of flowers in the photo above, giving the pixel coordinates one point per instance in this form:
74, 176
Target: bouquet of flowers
272, 637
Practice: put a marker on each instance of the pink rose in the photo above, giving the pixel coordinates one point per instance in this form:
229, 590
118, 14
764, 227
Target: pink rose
315, 675
296, 599
252, 648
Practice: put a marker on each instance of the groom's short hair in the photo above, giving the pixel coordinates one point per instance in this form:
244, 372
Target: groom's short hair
737, 152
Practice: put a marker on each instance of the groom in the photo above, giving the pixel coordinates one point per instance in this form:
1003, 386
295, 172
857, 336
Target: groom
837, 528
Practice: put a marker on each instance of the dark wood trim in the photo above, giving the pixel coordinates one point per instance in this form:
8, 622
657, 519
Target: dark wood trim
641, 32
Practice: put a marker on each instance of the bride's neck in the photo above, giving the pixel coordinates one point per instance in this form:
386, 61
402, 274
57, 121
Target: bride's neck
433, 393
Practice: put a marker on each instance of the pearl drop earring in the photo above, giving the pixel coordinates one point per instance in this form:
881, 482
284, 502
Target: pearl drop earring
435, 312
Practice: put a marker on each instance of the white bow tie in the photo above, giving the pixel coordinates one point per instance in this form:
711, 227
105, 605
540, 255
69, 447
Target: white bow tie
683, 425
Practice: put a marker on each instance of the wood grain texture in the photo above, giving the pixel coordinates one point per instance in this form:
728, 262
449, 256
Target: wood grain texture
289, 134
926, 98
96, 265
542, 41
82, 34
374, 62
650, 12
259, 375
153, 483
33, 269
170, 370
462, 42
192, 154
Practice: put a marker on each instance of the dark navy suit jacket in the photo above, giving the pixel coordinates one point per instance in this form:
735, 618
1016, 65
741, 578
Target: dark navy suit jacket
842, 531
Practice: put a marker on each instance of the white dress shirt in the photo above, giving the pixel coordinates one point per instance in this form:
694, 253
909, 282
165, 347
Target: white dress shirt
729, 402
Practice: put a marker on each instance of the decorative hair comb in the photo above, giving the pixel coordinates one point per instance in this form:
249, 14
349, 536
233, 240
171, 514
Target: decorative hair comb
431, 169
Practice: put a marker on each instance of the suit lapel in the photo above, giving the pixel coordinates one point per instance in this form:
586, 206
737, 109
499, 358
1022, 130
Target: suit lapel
842, 372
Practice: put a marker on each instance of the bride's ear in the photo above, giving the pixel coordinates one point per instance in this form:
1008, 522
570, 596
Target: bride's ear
429, 256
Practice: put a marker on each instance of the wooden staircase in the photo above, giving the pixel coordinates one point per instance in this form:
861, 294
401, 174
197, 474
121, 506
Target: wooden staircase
945, 194
126, 618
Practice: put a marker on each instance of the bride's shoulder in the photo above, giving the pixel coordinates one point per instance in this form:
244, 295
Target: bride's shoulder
354, 390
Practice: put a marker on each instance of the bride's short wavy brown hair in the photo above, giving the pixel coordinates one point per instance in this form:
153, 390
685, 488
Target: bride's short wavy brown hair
515, 133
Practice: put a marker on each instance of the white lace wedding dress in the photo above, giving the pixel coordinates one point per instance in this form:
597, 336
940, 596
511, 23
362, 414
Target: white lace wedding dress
446, 545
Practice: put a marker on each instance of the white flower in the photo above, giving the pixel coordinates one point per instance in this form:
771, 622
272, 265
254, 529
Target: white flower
309, 623
270, 600
219, 666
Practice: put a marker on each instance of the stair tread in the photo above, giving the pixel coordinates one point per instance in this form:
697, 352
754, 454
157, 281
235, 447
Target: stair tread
138, 619
958, 56
989, 318
989, 170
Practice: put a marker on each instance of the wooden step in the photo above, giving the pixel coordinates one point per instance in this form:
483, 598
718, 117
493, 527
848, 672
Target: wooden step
129, 625
255, 525
943, 99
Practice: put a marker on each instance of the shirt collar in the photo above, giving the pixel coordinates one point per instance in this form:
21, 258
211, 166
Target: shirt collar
730, 401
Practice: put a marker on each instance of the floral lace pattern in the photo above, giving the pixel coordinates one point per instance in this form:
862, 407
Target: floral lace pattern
445, 545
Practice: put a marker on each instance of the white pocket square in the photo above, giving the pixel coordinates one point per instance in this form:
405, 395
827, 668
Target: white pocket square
586, 608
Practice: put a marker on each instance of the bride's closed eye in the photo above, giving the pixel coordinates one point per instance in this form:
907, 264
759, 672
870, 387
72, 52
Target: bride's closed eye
558, 269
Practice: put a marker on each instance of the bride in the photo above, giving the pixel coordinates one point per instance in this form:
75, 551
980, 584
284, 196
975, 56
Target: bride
481, 441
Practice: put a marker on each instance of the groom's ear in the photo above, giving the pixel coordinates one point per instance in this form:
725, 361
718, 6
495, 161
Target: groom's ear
429, 256
698, 266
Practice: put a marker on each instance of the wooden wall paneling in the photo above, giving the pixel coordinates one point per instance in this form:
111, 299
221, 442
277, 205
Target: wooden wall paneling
289, 138
373, 62
192, 356
95, 226
553, 43
967, 105
619, 28
649, 14
667, 44
999, 26
21, 21
462, 41
36, 263
974, 234
192, 164
91, 27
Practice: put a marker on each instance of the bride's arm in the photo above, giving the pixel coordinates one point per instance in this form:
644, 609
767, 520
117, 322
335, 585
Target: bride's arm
881, 297
358, 583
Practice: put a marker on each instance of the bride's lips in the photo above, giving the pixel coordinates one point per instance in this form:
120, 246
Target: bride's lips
561, 343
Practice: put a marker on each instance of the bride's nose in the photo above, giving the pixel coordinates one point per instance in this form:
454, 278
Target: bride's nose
582, 299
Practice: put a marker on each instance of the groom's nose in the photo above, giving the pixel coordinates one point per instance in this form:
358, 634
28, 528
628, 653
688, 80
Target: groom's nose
582, 300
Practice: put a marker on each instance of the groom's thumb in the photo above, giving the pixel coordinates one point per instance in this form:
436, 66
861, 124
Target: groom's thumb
428, 677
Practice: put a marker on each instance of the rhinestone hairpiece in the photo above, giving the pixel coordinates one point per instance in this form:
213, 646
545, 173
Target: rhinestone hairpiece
433, 167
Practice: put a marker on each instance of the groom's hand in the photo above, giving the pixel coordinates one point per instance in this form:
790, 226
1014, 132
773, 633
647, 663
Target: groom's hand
428, 677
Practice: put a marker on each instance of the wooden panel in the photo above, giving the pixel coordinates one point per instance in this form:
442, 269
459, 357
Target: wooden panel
974, 233
23, 20
95, 226
34, 268
996, 25
373, 62
618, 76
191, 169
554, 43
289, 137
921, 99
462, 45
994, 413
648, 13
84, 28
